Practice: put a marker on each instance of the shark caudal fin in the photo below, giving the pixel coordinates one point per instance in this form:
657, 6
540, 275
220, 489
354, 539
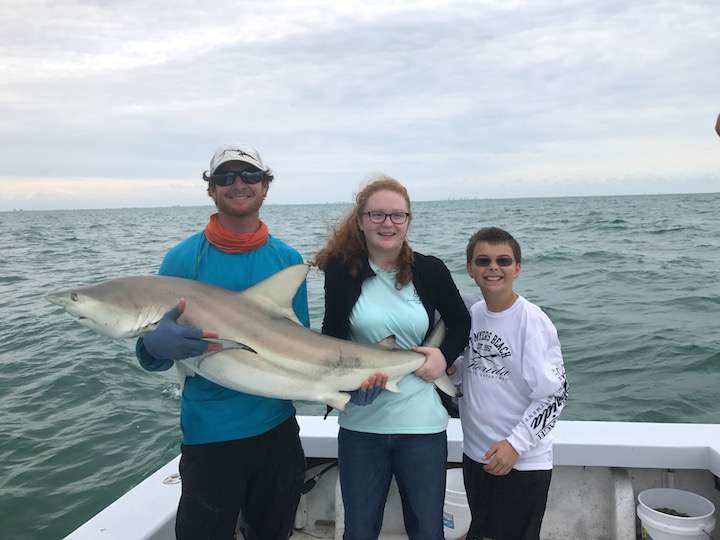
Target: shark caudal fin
436, 335
444, 383
435, 339
277, 291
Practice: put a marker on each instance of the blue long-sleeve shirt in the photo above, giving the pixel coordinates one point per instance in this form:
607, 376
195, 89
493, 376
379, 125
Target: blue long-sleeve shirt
210, 412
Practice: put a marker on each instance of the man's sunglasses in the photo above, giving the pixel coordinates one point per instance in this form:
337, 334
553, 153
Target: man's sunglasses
228, 178
502, 260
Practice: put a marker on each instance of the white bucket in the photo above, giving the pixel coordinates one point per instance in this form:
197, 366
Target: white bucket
661, 526
456, 513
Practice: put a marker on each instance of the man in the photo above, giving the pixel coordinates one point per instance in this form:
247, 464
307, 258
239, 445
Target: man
717, 125
241, 453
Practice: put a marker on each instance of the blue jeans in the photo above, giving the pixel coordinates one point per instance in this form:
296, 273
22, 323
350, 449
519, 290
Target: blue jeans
367, 463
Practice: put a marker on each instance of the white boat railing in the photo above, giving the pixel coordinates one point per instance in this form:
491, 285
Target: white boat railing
148, 510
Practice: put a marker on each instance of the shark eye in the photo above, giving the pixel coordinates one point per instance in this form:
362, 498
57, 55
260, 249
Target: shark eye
74, 296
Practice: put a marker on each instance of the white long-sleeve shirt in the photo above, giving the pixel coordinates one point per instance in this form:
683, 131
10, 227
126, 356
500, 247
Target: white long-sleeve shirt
513, 383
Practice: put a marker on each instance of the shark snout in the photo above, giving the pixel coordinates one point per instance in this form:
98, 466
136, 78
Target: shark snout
64, 299
55, 297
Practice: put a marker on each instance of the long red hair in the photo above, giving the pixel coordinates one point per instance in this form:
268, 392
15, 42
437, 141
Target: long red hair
347, 242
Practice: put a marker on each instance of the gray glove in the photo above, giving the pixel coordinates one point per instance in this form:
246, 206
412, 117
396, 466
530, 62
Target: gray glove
173, 341
365, 397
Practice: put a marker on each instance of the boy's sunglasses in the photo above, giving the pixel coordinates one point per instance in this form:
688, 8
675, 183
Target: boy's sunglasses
228, 178
502, 260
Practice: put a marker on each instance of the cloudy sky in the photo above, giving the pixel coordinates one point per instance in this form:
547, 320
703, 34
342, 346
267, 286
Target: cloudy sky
117, 104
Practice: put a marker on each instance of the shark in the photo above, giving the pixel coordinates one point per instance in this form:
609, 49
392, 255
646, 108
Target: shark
266, 350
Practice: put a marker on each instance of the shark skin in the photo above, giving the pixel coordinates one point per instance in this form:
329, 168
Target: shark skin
266, 352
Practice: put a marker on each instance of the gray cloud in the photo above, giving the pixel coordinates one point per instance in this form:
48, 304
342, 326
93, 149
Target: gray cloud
461, 98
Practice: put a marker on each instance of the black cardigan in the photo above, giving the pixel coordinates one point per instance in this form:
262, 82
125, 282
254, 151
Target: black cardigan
434, 286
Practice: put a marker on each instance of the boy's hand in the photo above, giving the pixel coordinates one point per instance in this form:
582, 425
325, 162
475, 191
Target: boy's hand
500, 458
434, 365
455, 372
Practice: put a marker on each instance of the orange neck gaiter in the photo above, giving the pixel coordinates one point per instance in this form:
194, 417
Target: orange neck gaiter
232, 242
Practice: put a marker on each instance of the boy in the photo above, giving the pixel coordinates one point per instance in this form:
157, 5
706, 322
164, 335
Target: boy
513, 385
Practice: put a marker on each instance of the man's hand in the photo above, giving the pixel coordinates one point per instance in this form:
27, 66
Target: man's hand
434, 365
500, 458
369, 390
173, 341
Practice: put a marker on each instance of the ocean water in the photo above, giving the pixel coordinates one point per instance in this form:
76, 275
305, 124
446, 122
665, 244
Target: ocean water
632, 284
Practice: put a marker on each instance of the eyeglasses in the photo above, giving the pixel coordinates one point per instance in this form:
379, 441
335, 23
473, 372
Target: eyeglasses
377, 217
502, 260
228, 178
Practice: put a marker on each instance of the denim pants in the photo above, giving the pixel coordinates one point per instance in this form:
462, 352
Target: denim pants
367, 463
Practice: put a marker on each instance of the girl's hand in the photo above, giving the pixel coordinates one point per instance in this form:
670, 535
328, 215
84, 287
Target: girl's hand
434, 365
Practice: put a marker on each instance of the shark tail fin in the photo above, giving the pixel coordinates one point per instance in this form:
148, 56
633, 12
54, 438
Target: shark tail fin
435, 339
436, 335
444, 383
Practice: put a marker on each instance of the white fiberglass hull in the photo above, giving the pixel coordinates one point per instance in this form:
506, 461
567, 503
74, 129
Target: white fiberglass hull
600, 467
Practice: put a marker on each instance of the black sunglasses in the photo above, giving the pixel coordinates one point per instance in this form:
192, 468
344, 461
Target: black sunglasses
228, 178
502, 260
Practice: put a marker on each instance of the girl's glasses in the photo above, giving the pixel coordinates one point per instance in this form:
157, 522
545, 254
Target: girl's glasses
377, 217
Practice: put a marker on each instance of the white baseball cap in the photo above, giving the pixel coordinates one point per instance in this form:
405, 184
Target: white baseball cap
235, 152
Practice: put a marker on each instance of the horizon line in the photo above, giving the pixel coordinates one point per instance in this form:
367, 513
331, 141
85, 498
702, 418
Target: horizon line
448, 199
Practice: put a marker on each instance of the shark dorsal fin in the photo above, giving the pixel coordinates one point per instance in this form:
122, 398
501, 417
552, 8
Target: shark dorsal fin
279, 289
389, 343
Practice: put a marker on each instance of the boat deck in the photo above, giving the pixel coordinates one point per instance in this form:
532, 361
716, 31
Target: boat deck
600, 467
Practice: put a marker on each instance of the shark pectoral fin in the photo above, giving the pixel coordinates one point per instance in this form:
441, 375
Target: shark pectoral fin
337, 400
184, 369
231, 344
389, 343
392, 386
280, 288
444, 383
149, 327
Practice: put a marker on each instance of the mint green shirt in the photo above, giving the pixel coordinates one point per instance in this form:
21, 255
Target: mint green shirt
381, 311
